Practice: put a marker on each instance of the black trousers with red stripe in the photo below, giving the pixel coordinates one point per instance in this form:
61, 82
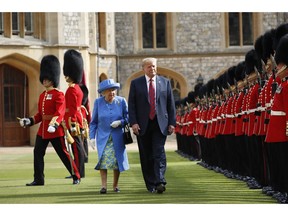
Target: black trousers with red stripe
60, 148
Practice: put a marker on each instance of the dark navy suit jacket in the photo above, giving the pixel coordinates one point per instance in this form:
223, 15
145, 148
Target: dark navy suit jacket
138, 104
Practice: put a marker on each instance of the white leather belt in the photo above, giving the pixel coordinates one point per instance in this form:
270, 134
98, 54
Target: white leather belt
277, 113
229, 116
251, 111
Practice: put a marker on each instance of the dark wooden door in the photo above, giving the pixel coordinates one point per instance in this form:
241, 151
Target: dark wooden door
14, 103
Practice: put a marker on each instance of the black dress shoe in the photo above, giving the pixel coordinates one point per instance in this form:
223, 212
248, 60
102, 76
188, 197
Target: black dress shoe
103, 191
160, 188
68, 177
76, 181
34, 183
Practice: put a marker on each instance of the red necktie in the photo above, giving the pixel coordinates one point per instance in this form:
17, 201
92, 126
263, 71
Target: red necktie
152, 100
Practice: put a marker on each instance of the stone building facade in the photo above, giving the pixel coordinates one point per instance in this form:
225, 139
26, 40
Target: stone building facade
111, 46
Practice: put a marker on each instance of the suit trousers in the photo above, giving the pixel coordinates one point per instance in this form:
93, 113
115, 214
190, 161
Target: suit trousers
152, 155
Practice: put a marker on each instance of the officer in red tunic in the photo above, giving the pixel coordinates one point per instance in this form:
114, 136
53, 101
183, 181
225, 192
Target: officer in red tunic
73, 72
51, 110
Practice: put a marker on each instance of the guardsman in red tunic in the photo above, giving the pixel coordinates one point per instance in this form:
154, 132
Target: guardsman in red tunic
51, 110
191, 121
73, 72
86, 115
277, 132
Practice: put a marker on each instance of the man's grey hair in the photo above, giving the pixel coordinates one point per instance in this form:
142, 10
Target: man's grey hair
149, 60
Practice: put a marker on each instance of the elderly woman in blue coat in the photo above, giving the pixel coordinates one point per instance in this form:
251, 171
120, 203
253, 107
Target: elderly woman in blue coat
109, 115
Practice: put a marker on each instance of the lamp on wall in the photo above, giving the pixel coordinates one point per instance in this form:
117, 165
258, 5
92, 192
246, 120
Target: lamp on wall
200, 79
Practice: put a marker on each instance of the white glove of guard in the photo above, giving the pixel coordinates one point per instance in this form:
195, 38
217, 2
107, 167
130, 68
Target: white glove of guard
73, 129
92, 143
115, 124
24, 122
51, 129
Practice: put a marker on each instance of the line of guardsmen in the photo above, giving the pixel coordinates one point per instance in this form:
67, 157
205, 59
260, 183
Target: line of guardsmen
237, 124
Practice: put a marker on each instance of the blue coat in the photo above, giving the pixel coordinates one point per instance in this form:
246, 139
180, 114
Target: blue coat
103, 115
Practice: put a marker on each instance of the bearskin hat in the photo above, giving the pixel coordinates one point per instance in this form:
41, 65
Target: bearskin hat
267, 42
210, 86
191, 97
197, 89
50, 69
281, 55
279, 33
217, 86
85, 94
73, 65
230, 75
240, 71
250, 61
258, 46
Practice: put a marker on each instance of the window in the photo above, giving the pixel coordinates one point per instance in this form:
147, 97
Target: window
22, 24
101, 34
155, 28
1, 23
240, 29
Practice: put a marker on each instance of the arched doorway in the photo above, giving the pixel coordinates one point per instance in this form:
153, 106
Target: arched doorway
14, 103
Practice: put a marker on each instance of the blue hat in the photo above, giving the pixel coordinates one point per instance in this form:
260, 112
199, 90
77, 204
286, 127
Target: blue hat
107, 84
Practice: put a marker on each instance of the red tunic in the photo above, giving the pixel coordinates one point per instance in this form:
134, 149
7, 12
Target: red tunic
252, 105
227, 129
73, 97
191, 122
238, 114
276, 131
51, 104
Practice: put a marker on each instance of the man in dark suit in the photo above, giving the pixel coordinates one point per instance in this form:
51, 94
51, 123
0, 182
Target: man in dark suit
152, 117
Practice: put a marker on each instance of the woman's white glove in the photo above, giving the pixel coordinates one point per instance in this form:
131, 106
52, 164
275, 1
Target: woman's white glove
24, 122
115, 124
92, 143
51, 129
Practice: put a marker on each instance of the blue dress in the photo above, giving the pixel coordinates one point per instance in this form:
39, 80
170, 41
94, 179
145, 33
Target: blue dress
104, 113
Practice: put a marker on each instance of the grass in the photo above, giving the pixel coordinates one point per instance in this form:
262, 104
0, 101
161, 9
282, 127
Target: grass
188, 183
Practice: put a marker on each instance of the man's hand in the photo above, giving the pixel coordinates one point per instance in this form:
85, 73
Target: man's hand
92, 143
136, 129
24, 122
115, 124
171, 129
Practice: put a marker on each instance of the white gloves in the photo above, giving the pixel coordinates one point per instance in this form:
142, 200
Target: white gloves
24, 122
92, 143
115, 124
73, 129
51, 129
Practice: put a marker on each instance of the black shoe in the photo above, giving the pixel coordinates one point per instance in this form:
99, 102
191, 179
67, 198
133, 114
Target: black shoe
68, 177
103, 191
76, 181
116, 190
160, 188
34, 183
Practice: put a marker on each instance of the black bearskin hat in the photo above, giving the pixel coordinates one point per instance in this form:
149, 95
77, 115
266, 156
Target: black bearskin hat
210, 86
191, 97
267, 42
73, 65
239, 71
85, 94
279, 33
250, 61
230, 75
258, 46
50, 69
281, 55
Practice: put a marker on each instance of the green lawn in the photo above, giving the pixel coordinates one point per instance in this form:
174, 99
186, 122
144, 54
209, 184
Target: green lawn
188, 183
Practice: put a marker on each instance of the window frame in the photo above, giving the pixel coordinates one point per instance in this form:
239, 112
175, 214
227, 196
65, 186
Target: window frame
255, 28
37, 24
168, 32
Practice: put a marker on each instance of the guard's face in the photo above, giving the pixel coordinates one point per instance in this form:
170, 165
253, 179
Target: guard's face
47, 83
150, 69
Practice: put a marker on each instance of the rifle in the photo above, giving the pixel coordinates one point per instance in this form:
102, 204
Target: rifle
258, 79
274, 71
264, 70
236, 86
